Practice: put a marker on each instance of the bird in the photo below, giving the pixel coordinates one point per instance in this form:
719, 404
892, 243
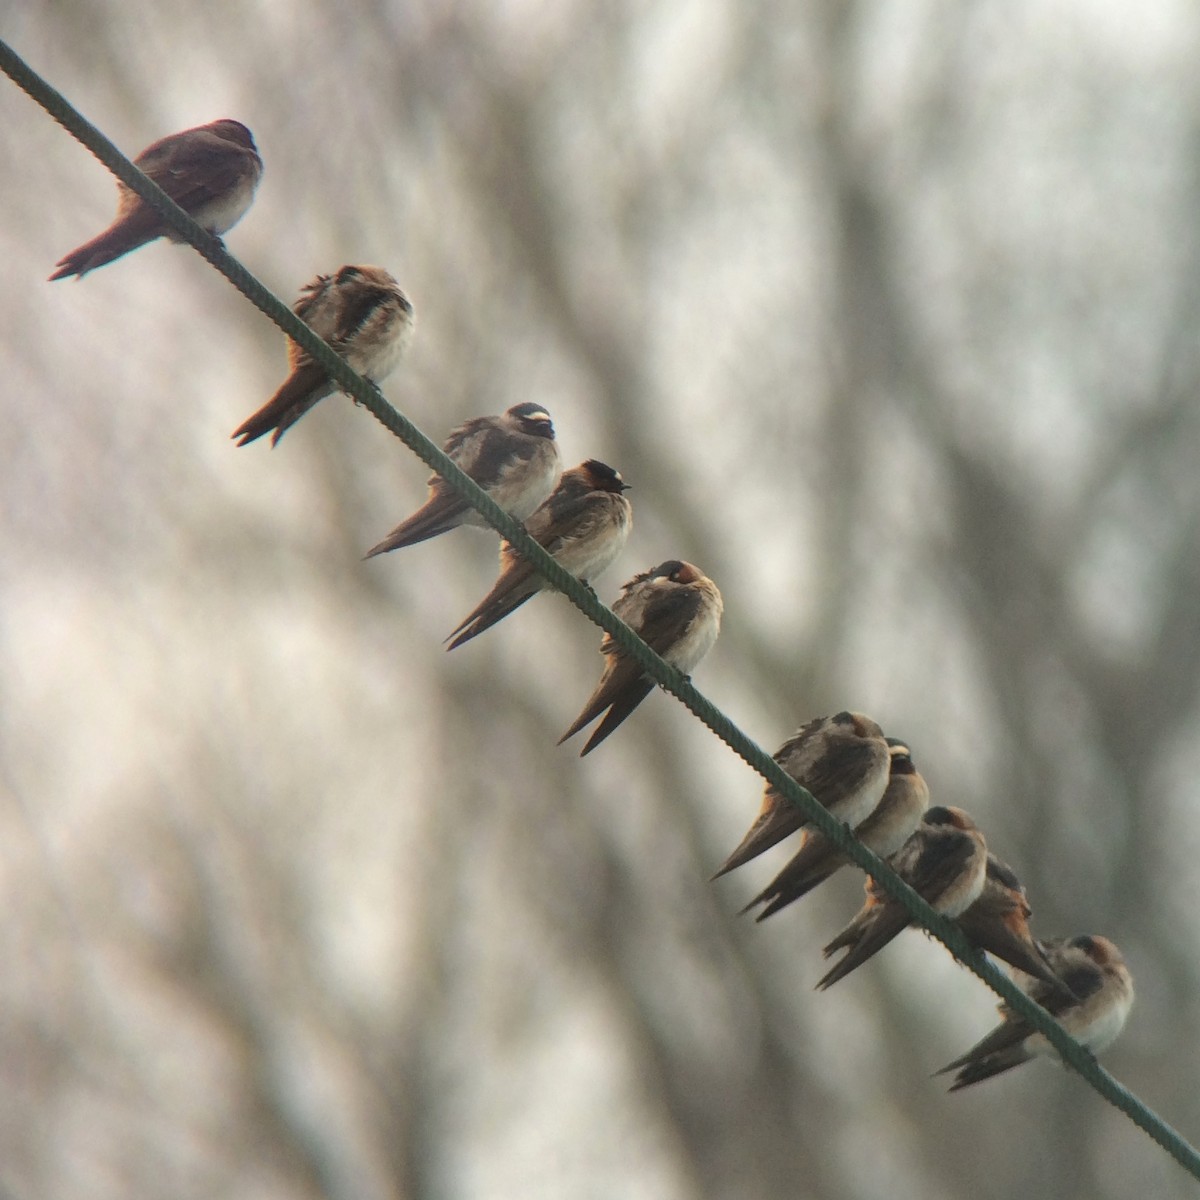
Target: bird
362, 313
210, 171
884, 831
843, 761
998, 922
1092, 968
944, 861
676, 610
582, 525
513, 457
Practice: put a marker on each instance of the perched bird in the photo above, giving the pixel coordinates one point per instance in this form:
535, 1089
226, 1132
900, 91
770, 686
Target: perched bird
583, 526
676, 610
998, 922
362, 313
944, 862
884, 831
211, 172
1102, 987
513, 457
843, 761
862, 920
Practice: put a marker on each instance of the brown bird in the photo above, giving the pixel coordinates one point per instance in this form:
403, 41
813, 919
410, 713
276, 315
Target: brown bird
211, 172
998, 922
513, 457
884, 831
362, 313
843, 761
582, 526
1093, 1011
945, 862
856, 929
676, 610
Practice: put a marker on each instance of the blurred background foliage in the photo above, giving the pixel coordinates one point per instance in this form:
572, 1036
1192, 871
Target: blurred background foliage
887, 311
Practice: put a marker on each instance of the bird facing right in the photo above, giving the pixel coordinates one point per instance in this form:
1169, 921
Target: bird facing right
1094, 1012
583, 526
364, 316
945, 862
843, 761
513, 457
883, 832
676, 610
210, 171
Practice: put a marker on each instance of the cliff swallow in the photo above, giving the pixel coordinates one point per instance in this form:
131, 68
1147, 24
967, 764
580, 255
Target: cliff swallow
842, 760
884, 831
861, 921
362, 313
676, 610
998, 922
944, 861
1102, 987
583, 526
211, 172
513, 457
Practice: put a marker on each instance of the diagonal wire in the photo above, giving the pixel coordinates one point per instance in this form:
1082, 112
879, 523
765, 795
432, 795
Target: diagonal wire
1073, 1053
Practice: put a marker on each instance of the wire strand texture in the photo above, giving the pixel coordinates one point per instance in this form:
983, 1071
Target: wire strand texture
1077, 1056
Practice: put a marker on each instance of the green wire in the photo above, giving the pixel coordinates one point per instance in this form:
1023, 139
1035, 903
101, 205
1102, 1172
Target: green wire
1072, 1052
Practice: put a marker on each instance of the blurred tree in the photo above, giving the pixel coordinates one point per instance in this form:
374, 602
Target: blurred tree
885, 312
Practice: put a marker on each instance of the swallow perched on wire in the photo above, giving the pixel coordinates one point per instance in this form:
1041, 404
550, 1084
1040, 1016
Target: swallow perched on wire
676, 610
874, 897
884, 831
583, 526
1102, 987
362, 313
843, 761
944, 861
513, 457
998, 922
211, 172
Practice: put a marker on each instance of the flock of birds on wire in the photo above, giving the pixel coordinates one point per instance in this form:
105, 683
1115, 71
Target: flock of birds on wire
582, 518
